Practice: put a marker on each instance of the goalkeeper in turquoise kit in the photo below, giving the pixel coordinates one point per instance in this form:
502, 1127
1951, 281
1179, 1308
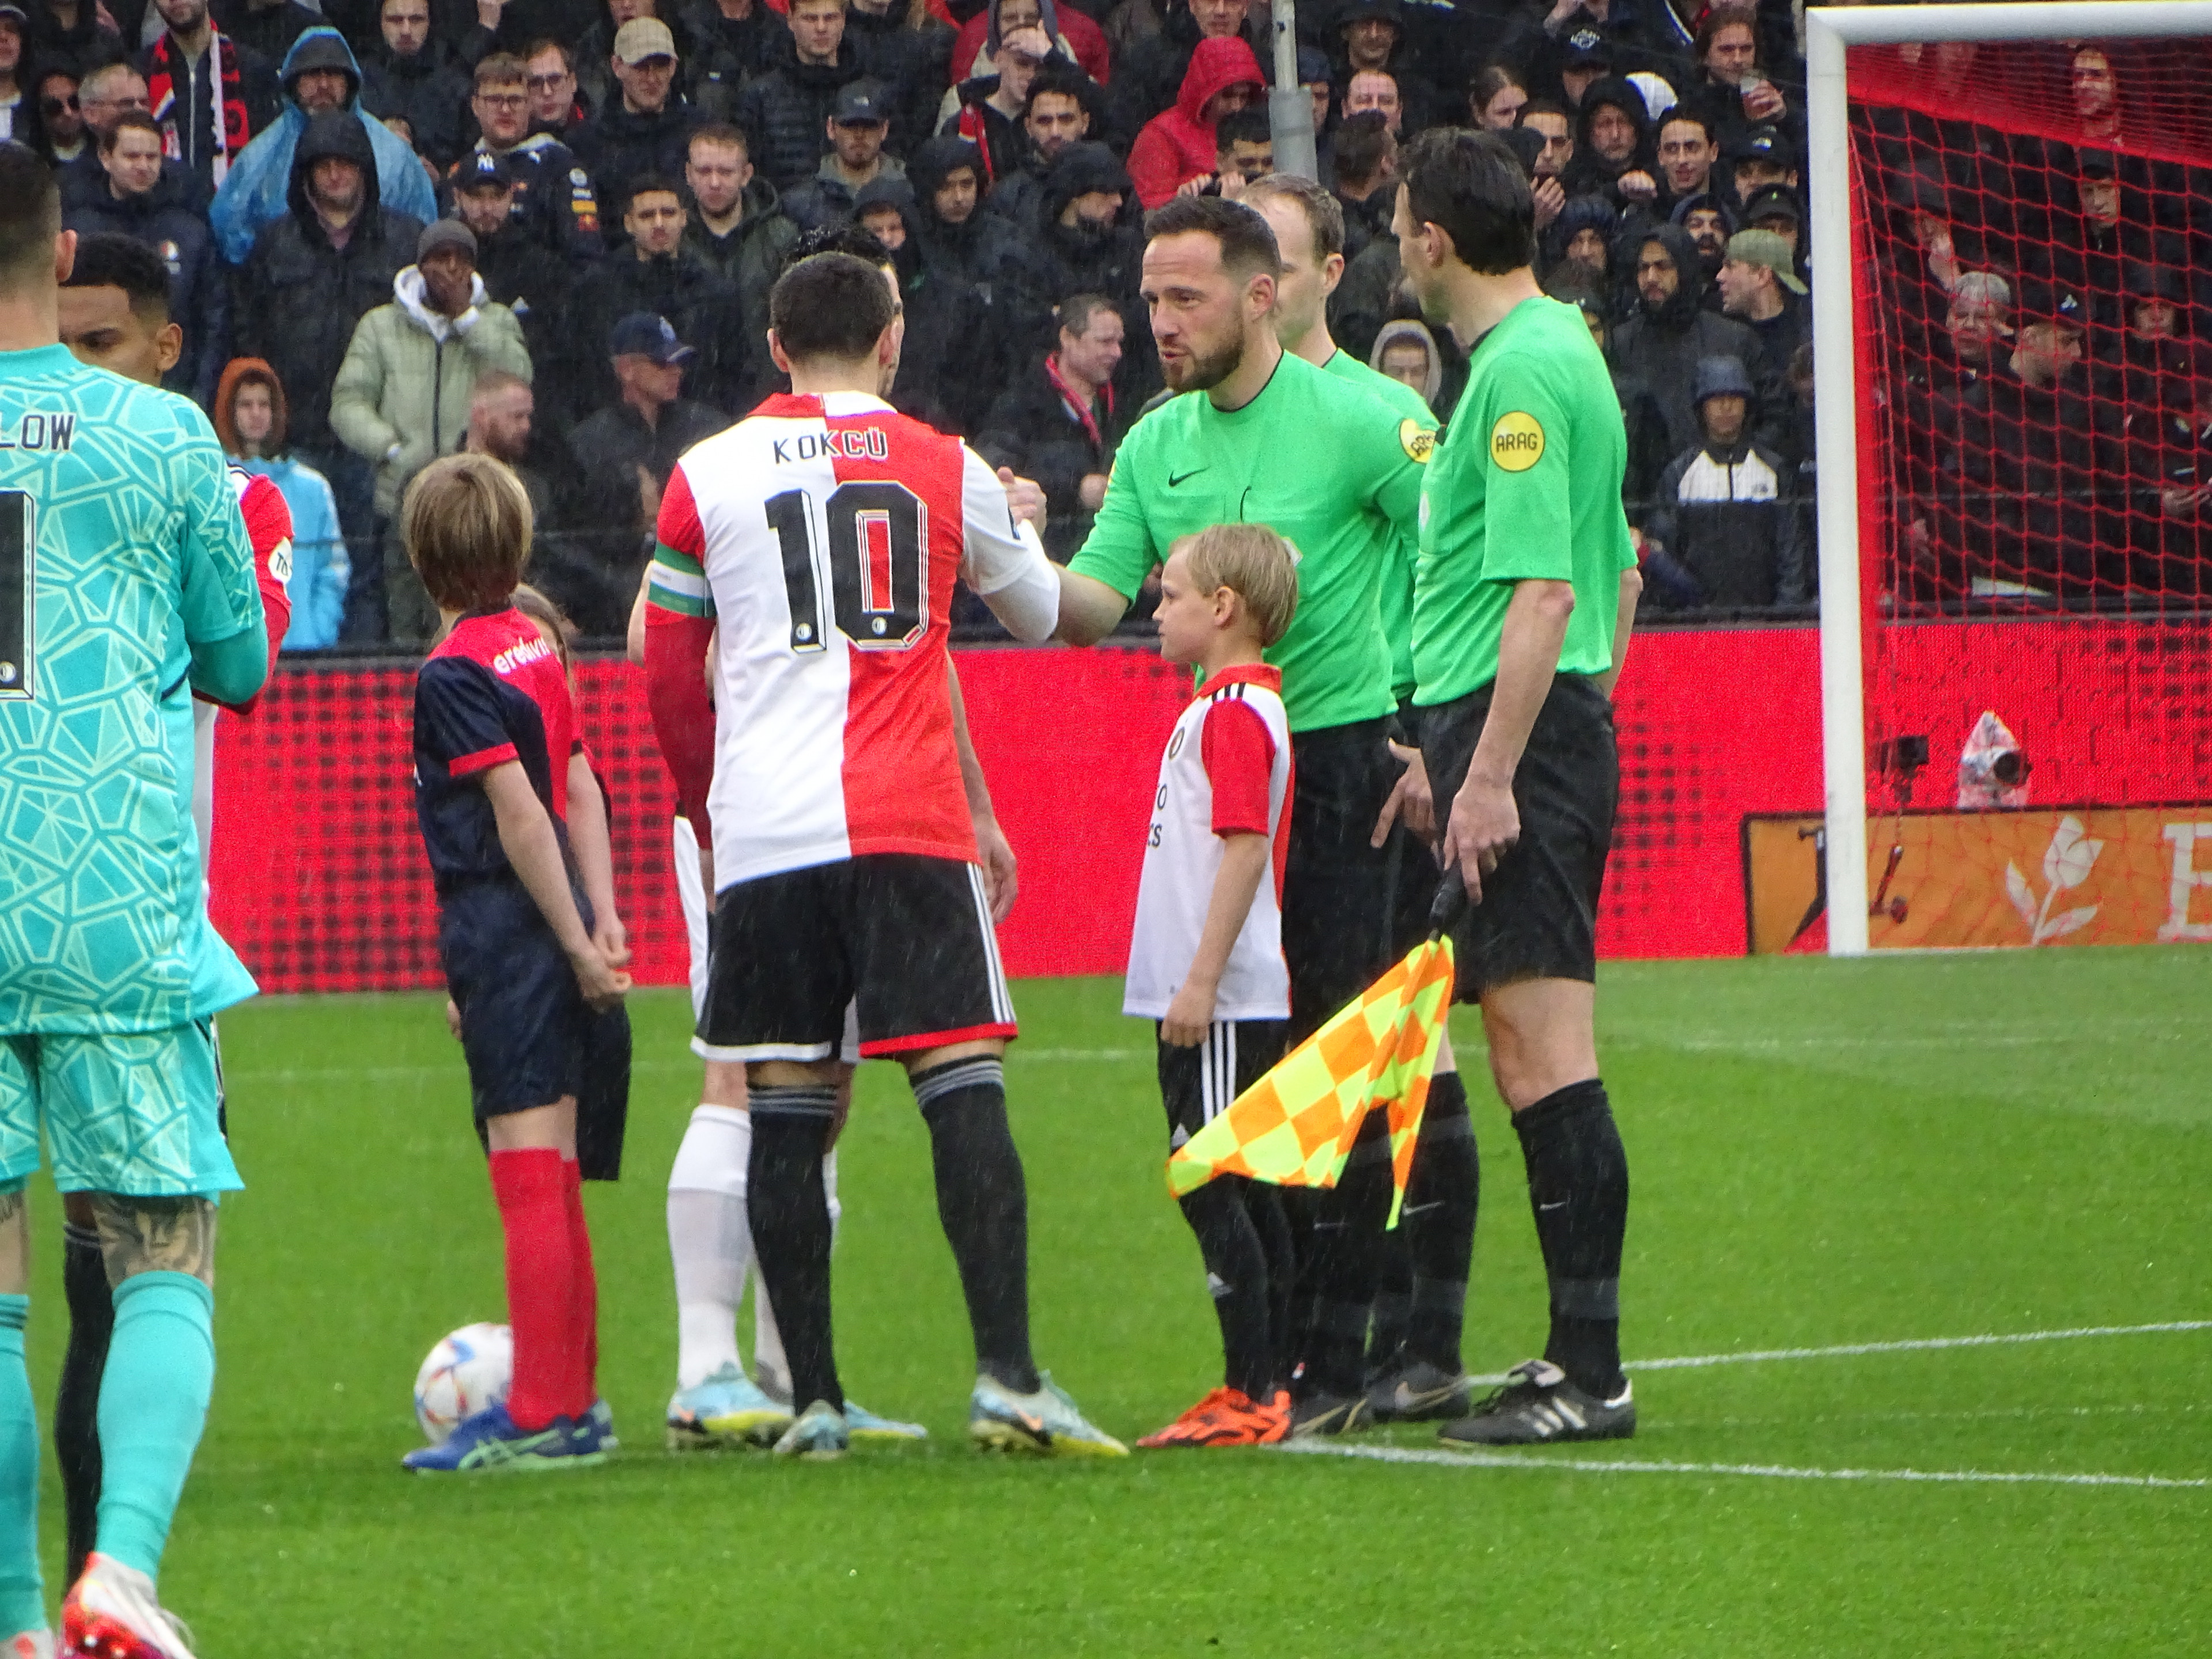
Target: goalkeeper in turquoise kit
126, 584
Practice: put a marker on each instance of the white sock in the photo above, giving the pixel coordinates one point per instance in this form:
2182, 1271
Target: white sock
770, 1370
709, 1241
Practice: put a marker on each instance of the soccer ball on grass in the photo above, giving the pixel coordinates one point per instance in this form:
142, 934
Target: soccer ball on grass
466, 1372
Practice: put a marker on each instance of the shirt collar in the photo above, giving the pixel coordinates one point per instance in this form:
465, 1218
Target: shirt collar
38, 362
1264, 675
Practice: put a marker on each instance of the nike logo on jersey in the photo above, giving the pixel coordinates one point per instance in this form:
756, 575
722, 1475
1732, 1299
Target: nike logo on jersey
1175, 478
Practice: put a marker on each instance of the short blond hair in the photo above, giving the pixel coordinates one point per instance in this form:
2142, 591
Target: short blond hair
467, 523
1253, 562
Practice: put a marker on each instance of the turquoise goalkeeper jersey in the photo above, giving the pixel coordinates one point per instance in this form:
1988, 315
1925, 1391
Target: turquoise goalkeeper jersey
121, 549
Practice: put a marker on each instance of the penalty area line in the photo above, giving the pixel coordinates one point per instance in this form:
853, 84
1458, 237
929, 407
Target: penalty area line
1477, 1460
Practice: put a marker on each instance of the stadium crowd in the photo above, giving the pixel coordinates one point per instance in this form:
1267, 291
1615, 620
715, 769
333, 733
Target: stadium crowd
2050, 406
547, 229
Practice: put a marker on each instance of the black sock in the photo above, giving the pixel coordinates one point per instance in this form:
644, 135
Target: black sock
984, 1206
1301, 1299
1264, 1204
1393, 1300
790, 1216
1347, 1234
1237, 1274
1578, 1188
1438, 1222
76, 1403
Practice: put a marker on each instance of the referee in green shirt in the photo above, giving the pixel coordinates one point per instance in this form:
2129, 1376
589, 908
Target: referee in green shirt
1419, 1292
1523, 599
1258, 436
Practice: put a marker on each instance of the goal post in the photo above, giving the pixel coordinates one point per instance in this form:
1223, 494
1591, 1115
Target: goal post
1850, 490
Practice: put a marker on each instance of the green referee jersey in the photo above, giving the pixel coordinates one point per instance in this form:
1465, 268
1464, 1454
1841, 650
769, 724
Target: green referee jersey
1398, 577
121, 548
1525, 486
1328, 467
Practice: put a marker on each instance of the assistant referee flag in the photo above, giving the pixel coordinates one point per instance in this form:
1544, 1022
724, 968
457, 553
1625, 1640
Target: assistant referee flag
1295, 1126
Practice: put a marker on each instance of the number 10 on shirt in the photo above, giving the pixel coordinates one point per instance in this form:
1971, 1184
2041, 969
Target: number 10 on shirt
19, 538
878, 539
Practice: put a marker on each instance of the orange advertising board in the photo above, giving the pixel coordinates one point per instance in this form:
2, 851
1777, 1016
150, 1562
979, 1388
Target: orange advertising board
2135, 875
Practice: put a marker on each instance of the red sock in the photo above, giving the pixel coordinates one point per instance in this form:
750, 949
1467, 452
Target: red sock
533, 1197
584, 1377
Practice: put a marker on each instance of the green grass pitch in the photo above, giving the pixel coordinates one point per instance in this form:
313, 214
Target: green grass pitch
1824, 1154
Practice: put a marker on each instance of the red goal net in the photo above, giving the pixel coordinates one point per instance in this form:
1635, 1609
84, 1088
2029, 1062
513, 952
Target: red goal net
2032, 223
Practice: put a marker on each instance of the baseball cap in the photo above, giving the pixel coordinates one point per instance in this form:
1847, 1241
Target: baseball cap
445, 232
642, 334
484, 171
1773, 201
1764, 144
22, 18
860, 102
1588, 48
2042, 300
643, 38
1764, 247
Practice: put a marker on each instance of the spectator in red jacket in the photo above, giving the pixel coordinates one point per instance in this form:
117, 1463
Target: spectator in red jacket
1178, 145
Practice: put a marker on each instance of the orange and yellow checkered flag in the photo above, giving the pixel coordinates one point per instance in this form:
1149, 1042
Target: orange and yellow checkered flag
1295, 1126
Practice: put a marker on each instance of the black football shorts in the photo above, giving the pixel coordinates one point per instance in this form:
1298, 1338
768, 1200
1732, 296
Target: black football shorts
906, 939
1200, 1083
1537, 918
1337, 930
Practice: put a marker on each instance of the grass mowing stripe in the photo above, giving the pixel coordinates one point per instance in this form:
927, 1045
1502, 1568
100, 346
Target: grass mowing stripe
1761, 1471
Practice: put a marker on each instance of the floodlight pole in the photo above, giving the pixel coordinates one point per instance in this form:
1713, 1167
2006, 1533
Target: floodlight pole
1829, 30
1289, 110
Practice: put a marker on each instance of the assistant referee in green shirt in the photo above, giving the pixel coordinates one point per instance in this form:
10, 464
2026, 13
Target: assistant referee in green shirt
1524, 595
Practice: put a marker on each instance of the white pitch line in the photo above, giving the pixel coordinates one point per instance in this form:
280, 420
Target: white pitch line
1917, 1345
1761, 1471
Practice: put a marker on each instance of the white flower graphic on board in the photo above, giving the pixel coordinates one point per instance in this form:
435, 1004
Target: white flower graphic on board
2066, 864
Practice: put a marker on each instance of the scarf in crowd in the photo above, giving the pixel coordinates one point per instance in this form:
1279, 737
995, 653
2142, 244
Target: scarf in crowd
976, 131
1079, 407
169, 83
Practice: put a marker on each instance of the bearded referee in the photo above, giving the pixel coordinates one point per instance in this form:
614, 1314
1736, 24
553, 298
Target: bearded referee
1524, 596
1259, 436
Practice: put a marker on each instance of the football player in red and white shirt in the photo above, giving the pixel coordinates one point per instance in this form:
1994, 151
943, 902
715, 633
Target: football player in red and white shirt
710, 1243
816, 544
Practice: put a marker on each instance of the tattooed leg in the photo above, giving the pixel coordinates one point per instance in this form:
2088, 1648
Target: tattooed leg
155, 1236
160, 1256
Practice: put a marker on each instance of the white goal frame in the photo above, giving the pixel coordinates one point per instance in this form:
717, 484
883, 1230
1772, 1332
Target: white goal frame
1828, 31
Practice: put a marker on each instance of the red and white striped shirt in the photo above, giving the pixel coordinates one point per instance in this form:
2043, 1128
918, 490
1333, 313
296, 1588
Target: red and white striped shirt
820, 539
